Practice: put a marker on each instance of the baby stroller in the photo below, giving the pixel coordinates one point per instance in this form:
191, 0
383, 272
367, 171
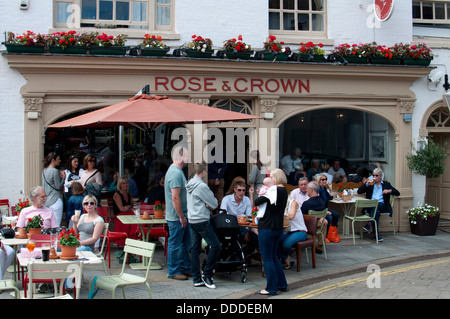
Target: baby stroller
231, 256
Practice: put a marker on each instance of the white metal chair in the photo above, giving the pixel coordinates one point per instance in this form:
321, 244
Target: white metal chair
321, 214
363, 203
9, 284
391, 201
111, 282
57, 272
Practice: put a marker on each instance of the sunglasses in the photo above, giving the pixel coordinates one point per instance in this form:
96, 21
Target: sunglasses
323, 179
375, 175
88, 203
240, 190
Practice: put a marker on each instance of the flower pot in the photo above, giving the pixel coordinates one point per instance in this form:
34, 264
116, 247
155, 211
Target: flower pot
356, 59
68, 251
421, 62
277, 57
253, 220
381, 60
71, 49
239, 55
34, 231
154, 51
22, 233
158, 214
198, 54
425, 227
108, 50
20, 48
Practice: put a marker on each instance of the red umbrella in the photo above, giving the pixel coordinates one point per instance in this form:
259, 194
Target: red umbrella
148, 112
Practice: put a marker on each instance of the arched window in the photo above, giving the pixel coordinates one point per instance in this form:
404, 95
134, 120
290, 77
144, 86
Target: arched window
439, 119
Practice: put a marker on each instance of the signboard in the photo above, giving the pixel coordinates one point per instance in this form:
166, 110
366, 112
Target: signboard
383, 9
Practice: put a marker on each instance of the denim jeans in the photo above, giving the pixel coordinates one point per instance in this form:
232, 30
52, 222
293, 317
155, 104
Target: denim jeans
269, 240
288, 240
198, 231
178, 261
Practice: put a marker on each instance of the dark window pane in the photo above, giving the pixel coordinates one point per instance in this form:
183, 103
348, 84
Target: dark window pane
88, 9
288, 4
288, 21
303, 4
274, 4
317, 22
416, 10
106, 10
122, 10
317, 5
439, 11
427, 10
303, 22
274, 21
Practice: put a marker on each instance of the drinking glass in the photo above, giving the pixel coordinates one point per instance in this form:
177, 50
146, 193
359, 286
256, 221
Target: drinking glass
137, 210
31, 244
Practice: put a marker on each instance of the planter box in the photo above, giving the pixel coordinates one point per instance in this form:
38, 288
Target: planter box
154, 51
355, 59
19, 48
380, 60
239, 55
108, 50
73, 49
421, 62
276, 57
425, 227
197, 54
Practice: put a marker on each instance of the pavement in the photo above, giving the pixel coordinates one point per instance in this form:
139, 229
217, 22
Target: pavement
403, 266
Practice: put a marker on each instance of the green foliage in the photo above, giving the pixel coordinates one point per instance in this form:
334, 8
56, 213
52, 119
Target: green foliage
428, 161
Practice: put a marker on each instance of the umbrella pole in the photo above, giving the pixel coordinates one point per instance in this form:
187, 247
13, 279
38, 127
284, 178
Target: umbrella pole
121, 150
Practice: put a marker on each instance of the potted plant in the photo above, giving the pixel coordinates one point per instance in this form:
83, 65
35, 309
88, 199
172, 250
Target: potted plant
419, 54
34, 225
27, 42
21, 205
237, 49
427, 160
109, 45
274, 50
65, 42
254, 213
385, 55
423, 219
152, 45
159, 209
310, 51
69, 240
343, 192
199, 47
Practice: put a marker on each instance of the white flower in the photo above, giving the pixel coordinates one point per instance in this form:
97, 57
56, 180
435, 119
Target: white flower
203, 50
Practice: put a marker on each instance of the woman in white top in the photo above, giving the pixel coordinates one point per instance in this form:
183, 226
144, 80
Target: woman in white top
53, 181
90, 225
297, 232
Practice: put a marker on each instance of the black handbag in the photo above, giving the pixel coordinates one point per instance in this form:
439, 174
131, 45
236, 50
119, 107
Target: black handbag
8, 233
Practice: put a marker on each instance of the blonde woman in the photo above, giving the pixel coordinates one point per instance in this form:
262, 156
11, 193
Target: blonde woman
123, 205
90, 225
270, 234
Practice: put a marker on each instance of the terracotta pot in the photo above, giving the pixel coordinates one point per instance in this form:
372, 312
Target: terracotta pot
159, 214
34, 231
68, 251
22, 233
145, 215
253, 220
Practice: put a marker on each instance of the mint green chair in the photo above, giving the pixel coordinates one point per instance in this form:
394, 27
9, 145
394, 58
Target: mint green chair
9, 284
321, 230
363, 219
111, 282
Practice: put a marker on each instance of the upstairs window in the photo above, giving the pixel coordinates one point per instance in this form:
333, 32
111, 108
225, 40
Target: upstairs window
132, 14
305, 17
435, 14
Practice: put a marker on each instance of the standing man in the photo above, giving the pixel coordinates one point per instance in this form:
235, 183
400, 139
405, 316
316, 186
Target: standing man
178, 261
381, 190
200, 200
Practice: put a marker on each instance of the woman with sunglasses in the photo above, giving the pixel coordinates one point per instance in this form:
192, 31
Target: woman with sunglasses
90, 225
91, 176
332, 216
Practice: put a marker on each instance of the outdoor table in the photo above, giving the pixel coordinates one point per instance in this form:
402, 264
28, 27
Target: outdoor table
133, 220
87, 257
347, 207
15, 243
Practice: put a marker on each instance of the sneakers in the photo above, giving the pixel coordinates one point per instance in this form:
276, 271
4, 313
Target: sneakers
199, 284
367, 228
208, 281
380, 239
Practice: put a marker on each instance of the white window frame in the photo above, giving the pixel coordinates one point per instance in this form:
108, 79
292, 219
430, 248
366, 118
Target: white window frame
293, 36
150, 26
435, 37
444, 21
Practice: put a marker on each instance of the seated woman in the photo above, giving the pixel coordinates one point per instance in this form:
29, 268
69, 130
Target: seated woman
123, 205
90, 226
332, 216
297, 232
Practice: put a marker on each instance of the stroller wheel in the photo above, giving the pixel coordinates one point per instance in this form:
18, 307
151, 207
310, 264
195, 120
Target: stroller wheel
243, 277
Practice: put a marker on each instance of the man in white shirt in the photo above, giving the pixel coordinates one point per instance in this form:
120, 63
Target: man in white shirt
300, 194
237, 203
338, 172
292, 166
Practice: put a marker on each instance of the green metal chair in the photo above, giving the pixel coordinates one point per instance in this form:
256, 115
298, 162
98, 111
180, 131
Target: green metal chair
9, 284
391, 201
363, 203
321, 230
111, 282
